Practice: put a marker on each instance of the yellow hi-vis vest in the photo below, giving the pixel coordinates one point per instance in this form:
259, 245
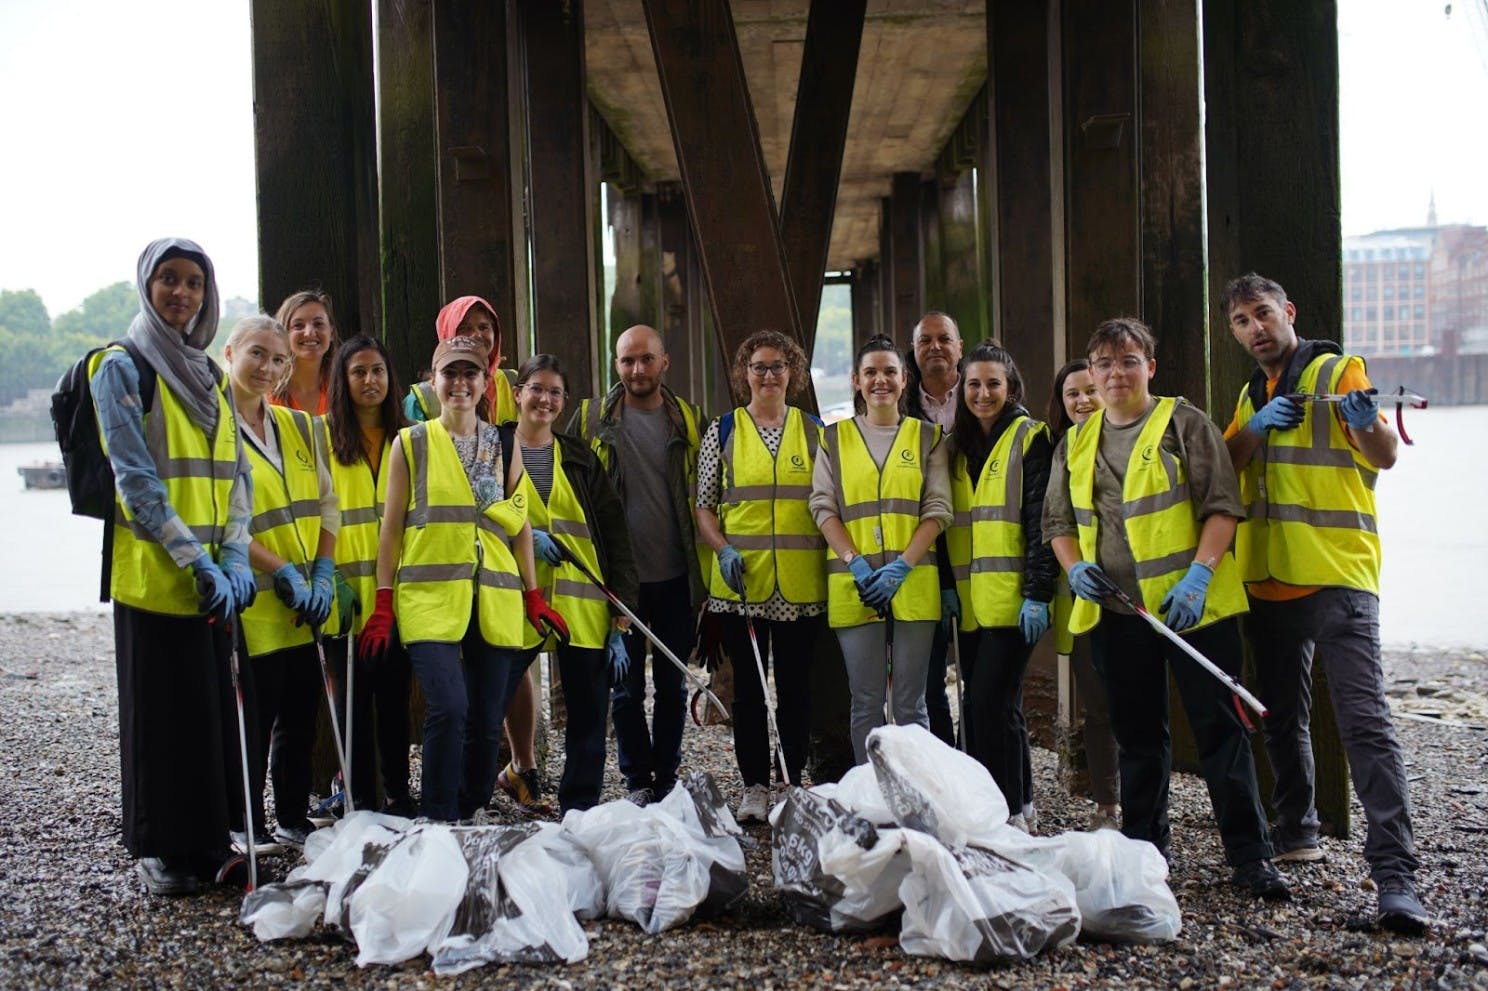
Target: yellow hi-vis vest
452, 553
502, 410
581, 604
361, 497
1160, 525
764, 513
881, 510
985, 539
198, 474
1309, 497
286, 521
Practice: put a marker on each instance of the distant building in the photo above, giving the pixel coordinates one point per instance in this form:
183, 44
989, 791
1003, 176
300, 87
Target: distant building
1416, 290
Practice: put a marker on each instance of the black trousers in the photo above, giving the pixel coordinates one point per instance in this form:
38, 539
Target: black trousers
1133, 660
290, 693
380, 725
173, 734
793, 644
937, 701
993, 661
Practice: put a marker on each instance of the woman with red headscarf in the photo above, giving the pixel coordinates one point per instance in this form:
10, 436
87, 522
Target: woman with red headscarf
468, 316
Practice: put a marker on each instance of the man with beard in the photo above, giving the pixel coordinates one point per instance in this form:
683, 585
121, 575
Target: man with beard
1309, 553
930, 393
647, 438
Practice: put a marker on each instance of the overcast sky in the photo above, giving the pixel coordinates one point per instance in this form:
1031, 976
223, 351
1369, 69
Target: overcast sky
126, 121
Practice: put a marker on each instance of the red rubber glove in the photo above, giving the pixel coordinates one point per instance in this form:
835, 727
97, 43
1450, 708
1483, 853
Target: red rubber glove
379, 628
542, 617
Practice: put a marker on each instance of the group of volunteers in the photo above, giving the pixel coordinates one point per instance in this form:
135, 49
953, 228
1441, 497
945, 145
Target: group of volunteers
294, 521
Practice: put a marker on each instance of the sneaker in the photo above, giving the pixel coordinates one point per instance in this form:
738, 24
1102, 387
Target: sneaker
263, 843
1261, 879
1400, 911
327, 812
1307, 853
524, 787
755, 805
1105, 820
641, 796
291, 836
1030, 819
1017, 821
167, 878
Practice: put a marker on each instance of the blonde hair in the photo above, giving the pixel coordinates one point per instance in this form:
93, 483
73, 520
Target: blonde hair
253, 324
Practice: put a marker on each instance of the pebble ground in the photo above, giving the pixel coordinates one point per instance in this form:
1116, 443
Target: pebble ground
74, 915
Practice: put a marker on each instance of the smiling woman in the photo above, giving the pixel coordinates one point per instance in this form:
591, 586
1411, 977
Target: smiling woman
308, 318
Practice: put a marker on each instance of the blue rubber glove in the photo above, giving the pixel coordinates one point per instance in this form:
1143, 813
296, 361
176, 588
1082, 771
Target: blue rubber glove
619, 657
1360, 410
545, 547
731, 566
213, 590
880, 589
322, 591
234, 562
950, 610
861, 570
1281, 413
1085, 581
1033, 620
1184, 603
292, 590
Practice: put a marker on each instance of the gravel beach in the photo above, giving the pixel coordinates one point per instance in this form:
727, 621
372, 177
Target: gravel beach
74, 915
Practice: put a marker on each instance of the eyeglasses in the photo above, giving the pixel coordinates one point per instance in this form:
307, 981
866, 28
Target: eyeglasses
776, 368
537, 391
1129, 363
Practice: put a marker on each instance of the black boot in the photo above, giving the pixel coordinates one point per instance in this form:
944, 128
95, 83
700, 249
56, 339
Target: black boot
168, 877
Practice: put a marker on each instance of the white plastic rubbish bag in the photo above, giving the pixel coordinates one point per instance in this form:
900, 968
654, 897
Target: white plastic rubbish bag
408, 902
978, 906
935, 788
1120, 884
664, 863
835, 870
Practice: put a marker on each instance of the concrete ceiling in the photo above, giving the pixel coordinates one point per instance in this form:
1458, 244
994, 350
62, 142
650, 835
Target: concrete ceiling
920, 64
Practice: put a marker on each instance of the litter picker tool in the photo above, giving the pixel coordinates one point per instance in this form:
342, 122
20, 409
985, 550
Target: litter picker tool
1111, 590
759, 667
1400, 399
645, 630
329, 678
248, 828
350, 712
953, 647
889, 661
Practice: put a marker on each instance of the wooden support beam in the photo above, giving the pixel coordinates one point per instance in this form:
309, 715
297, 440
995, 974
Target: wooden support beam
408, 170
560, 187
682, 303
1172, 195
625, 236
829, 66
932, 259
1102, 248
477, 243
1017, 159
724, 177
908, 301
865, 302
885, 267
314, 139
964, 296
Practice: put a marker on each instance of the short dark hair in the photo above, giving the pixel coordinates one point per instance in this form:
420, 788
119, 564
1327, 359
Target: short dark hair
1119, 331
540, 363
1247, 289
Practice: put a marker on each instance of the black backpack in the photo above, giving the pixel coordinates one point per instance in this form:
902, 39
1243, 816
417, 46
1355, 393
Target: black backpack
90, 477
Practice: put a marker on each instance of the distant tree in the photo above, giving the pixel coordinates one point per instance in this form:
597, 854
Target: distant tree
104, 316
23, 312
27, 361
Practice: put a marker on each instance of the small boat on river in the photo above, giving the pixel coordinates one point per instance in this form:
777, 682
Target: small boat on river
44, 475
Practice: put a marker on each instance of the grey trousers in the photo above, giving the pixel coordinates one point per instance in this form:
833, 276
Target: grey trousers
1343, 625
863, 649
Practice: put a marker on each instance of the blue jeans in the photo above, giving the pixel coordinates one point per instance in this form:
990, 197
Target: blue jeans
649, 757
465, 699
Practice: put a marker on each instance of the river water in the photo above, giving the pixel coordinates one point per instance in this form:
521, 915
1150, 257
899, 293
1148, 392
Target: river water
1436, 556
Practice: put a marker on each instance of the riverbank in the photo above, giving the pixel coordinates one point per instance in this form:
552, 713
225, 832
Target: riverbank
74, 915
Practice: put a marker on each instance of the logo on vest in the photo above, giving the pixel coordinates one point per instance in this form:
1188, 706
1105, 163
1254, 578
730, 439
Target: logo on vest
519, 501
907, 457
798, 462
1148, 452
995, 467
304, 460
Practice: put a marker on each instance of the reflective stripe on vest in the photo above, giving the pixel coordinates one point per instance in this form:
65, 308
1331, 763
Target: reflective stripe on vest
198, 474
361, 498
582, 605
452, 554
1309, 497
504, 409
881, 510
1160, 525
985, 539
286, 522
763, 512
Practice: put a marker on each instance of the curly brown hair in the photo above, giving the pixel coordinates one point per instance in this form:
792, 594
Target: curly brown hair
795, 362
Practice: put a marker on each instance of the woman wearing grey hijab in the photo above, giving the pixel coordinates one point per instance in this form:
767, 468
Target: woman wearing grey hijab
180, 570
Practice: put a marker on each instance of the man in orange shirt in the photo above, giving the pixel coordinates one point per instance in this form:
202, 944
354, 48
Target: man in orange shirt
1309, 553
